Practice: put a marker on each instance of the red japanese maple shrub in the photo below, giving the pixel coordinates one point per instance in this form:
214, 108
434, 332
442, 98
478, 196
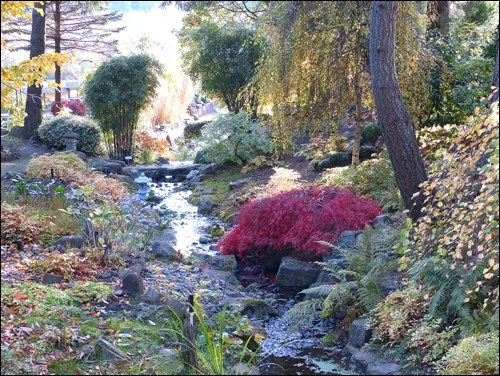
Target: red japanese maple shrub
292, 222
75, 105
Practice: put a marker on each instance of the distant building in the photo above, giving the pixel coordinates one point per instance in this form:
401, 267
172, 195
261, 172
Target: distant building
69, 90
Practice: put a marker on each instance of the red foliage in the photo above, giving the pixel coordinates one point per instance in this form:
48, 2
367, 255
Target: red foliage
75, 105
292, 222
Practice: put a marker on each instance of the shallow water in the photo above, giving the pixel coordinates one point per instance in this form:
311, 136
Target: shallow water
283, 352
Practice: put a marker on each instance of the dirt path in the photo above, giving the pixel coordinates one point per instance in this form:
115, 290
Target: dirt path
27, 150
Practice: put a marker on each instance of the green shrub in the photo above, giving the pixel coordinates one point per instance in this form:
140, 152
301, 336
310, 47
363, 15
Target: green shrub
194, 130
342, 159
235, 138
52, 133
400, 312
373, 178
201, 157
370, 133
476, 355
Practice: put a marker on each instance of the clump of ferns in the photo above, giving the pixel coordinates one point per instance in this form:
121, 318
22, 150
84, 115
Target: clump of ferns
357, 280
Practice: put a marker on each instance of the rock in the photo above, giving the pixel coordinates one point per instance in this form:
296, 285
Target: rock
106, 351
192, 174
207, 191
132, 284
168, 235
178, 307
119, 292
359, 333
205, 206
207, 168
204, 240
244, 369
105, 275
389, 283
235, 184
162, 160
136, 268
326, 278
220, 275
71, 242
60, 248
382, 220
347, 239
258, 309
296, 274
152, 296
369, 362
223, 262
162, 249
122, 273
17, 131
51, 279
108, 166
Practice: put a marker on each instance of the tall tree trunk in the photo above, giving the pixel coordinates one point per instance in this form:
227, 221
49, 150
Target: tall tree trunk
392, 114
357, 118
34, 94
439, 15
57, 49
494, 95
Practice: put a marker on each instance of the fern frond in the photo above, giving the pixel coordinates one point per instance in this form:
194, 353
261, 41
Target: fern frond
306, 310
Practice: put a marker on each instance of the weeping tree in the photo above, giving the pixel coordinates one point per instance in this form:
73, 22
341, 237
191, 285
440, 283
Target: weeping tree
116, 93
316, 68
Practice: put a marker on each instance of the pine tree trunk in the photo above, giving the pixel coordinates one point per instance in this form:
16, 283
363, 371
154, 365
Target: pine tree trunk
494, 95
34, 95
358, 121
57, 49
392, 114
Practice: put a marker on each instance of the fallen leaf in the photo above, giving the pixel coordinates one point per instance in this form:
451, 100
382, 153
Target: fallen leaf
20, 296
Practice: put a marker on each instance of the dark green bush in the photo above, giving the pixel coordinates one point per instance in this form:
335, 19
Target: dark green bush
342, 159
370, 134
52, 133
201, 157
194, 130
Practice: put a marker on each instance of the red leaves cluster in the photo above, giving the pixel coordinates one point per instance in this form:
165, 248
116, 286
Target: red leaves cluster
293, 222
75, 105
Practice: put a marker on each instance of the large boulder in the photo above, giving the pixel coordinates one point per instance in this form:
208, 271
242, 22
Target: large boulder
297, 274
69, 242
163, 249
132, 284
359, 333
369, 362
108, 166
106, 351
167, 235
257, 309
223, 262
205, 206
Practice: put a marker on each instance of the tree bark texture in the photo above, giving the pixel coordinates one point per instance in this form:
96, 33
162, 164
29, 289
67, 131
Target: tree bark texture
494, 95
57, 49
34, 95
392, 113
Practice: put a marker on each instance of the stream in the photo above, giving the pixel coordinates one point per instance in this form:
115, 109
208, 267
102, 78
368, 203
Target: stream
283, 351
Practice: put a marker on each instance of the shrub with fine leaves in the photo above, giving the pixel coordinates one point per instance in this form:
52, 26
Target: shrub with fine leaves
293, 222
235, 138
89, 141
